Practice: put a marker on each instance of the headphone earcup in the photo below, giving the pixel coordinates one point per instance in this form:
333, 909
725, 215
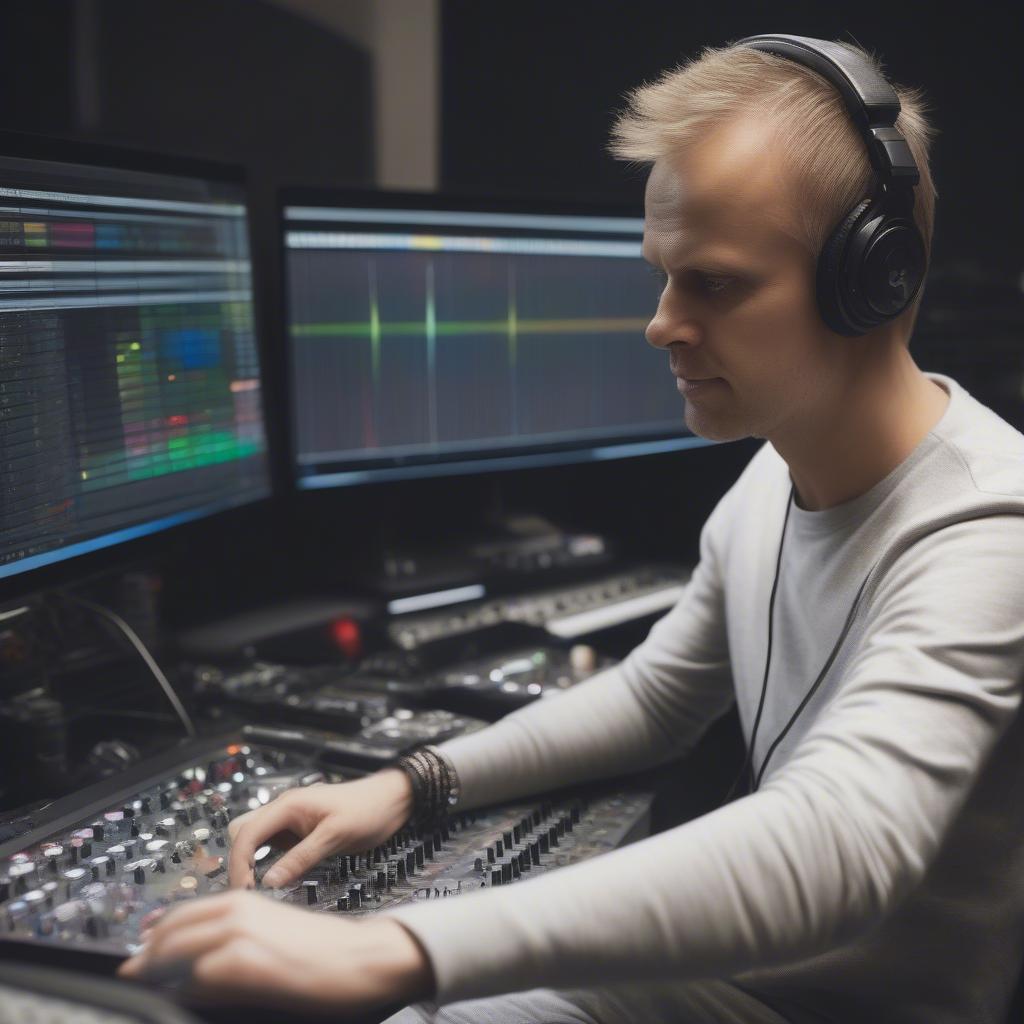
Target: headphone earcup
829, 284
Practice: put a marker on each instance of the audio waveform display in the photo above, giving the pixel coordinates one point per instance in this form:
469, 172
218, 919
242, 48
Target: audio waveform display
129, 375
420, 346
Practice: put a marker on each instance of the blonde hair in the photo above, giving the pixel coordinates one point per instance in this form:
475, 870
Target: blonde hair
806, 114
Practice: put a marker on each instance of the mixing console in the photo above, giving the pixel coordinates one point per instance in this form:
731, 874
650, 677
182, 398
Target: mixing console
370, 726
489, 686
89, 881
568, 611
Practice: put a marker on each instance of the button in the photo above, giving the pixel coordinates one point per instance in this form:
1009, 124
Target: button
311, 887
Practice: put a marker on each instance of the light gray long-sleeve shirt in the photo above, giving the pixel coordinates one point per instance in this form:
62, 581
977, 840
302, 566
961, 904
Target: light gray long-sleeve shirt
878, 872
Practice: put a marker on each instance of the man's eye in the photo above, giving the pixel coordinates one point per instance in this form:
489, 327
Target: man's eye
714, 285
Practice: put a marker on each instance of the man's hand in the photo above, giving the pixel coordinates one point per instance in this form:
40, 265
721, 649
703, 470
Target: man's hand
248, 947
317, 822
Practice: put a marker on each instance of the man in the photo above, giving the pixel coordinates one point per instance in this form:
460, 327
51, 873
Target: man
859, 594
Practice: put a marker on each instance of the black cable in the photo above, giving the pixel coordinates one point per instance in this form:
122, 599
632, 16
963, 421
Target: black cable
143, 651
748, 760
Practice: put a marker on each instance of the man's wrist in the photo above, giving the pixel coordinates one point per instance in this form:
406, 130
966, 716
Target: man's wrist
395, 960
399, 794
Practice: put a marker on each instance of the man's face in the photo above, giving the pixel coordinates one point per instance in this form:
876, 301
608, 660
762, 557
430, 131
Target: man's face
738, 304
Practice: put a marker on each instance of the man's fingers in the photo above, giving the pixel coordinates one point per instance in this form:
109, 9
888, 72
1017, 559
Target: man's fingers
278, 816
183, 944
320, 843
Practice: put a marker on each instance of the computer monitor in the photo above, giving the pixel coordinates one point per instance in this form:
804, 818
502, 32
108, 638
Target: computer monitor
129, 375
432, 335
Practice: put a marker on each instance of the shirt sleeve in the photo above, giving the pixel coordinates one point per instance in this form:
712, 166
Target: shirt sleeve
652, 706
836, 836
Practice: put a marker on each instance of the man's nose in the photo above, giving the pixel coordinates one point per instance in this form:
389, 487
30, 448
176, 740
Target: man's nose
669, 324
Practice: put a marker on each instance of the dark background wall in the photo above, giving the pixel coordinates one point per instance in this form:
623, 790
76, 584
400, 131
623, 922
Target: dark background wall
528, 92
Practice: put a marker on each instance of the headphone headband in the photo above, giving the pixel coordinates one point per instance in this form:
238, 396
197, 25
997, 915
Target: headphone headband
870, 99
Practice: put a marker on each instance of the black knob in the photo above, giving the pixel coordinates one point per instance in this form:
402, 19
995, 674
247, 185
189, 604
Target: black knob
507, 837
496, 876
312, 889
535, 852
355, 896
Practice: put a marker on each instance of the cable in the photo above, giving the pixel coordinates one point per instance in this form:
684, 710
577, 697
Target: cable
139, 646
748, 760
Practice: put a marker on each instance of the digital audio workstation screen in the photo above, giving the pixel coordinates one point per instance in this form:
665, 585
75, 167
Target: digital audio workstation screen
436, 341
129, 378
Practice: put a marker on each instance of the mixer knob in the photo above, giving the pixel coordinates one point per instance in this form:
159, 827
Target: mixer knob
545, 842
98, 830
420, 853
118, 854
311, 887
574, 814
380, 881
496, 876
410, 864
146, 805
53, 855
74, 879
506, 872
167, 828
343, 902
523, 856
499, 848
101, 867
23, 875
5, 889
535, 852
97, 926
114, 823
355, 896
560, 827
517, 834
553, 836
143, 869
507, 838
34, 899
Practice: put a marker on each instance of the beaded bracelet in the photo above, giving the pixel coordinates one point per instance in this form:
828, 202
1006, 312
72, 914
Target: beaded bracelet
435, 785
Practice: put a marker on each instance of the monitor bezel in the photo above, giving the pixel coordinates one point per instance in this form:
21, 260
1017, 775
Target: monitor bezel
388, 469
144, 549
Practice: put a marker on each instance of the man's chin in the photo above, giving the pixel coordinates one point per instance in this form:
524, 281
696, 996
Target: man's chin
710, 430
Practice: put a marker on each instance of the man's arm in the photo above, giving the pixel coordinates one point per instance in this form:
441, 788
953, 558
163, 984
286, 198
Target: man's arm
838, 834
652, 706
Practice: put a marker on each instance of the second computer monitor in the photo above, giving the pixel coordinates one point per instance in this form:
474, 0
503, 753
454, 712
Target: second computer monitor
431, 336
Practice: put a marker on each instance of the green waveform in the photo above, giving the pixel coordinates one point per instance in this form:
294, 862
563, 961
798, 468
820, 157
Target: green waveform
509, 327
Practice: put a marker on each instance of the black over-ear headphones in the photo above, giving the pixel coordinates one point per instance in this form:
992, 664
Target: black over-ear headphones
874, 262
